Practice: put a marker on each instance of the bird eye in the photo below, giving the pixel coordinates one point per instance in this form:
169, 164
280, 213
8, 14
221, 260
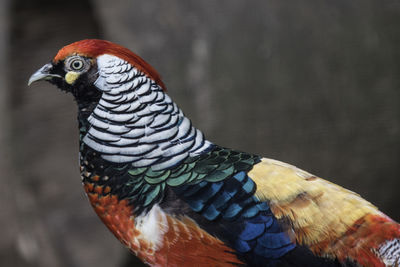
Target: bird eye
77, 64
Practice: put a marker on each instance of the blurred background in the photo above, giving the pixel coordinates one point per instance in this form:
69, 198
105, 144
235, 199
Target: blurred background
312, 83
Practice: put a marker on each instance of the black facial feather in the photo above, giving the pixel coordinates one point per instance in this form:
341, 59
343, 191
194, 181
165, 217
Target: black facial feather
83, 89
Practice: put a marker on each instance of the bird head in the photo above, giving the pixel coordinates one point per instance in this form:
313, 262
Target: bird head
124, 113
75, 68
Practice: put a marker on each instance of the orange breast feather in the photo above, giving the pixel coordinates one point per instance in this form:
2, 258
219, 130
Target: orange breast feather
182, 242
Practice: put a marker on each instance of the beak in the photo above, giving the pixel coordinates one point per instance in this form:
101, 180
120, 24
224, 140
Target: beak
43, 74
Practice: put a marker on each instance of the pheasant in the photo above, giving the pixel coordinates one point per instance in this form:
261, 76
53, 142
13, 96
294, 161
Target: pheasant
175, 198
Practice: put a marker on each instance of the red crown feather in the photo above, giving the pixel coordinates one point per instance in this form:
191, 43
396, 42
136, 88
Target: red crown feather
94, 48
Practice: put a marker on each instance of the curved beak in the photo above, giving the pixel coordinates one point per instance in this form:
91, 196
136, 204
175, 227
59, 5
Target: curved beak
44, 73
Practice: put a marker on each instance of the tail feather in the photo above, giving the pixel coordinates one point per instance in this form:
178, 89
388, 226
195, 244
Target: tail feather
389, 252
372, 241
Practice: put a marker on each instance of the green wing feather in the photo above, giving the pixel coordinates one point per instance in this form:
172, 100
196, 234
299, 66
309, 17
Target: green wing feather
148, 186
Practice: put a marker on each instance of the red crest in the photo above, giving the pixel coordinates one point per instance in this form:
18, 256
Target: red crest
94, 48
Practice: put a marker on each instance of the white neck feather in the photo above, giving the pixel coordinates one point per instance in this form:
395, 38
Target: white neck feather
135, 121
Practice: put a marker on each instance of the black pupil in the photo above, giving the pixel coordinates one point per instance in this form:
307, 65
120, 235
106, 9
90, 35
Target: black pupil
77, 64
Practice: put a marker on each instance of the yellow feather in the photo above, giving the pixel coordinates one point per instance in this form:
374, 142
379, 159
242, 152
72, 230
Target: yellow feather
318, 210
71, 77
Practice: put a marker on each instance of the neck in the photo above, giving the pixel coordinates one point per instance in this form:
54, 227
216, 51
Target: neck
140, 126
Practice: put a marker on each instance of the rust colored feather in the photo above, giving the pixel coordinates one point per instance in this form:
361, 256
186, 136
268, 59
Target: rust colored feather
184, 243
362, 240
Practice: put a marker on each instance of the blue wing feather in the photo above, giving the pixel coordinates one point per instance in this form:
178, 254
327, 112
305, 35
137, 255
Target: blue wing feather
224, 205
249, 225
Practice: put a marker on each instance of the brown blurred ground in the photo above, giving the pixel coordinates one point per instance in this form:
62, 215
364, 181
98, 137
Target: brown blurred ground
312, 83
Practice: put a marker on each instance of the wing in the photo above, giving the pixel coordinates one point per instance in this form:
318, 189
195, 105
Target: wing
268, 210
215, 187
215, 190
327, 218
